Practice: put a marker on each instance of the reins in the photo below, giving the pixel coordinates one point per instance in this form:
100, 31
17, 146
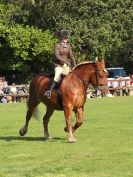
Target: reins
97, 83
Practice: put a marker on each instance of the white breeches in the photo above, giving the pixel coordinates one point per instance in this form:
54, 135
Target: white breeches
65, 69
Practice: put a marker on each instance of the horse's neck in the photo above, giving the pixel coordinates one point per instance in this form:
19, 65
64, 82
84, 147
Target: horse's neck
84, 72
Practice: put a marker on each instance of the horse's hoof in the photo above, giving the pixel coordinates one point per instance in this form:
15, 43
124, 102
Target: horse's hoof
22, 131
47, 138
65, 129
72, 139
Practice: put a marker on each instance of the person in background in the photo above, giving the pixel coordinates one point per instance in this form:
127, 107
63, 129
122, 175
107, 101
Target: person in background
6, 88
13, 91
1, 83
4, 100
64, 59
5, 83
2, 97
1, 91
131, 79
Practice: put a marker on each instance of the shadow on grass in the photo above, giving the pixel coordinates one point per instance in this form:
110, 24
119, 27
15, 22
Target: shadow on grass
19, 138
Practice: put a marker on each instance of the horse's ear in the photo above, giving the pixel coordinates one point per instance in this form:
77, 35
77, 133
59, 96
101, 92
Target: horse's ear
96, 59
100, 60
103, 62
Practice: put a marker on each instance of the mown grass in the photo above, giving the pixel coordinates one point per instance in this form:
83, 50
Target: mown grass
104, 147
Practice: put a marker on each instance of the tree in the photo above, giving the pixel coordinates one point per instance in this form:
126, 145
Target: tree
98, 29
23, 45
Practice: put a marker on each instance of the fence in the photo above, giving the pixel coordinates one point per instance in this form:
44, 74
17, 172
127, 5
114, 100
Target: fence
122, 85
19, 95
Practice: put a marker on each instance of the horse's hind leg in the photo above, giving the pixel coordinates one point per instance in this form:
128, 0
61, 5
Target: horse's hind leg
46, 118
31, 108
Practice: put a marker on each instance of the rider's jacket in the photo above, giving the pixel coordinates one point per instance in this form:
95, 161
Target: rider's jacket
63, 54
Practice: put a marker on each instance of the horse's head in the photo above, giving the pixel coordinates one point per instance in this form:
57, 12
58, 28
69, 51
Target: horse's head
99, 76
92, 72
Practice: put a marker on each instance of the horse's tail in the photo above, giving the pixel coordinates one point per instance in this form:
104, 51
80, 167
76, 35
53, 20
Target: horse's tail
36, 113
32, 103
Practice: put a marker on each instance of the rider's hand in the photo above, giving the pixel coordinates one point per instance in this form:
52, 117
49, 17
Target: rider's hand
65, 65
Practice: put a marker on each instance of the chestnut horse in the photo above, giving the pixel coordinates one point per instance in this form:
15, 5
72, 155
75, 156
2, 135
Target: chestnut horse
70, 96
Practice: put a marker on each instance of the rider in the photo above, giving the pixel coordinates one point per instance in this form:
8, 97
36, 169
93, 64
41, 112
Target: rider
64, 59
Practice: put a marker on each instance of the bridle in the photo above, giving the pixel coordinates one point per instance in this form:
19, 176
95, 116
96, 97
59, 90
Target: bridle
97, 86
97, 83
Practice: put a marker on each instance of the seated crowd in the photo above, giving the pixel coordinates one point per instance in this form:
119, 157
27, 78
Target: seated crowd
12, 93
18, 93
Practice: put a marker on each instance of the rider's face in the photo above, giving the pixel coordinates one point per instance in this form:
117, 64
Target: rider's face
65, 39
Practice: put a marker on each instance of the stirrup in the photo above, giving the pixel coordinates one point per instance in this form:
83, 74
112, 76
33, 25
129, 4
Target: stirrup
47, 94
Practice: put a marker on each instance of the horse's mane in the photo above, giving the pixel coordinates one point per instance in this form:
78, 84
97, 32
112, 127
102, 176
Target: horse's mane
83, 63
51, 75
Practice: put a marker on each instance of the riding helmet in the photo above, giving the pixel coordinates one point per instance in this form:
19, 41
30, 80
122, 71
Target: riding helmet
64, 33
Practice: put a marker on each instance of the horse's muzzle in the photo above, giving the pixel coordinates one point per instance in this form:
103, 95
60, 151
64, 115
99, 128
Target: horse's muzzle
103, 88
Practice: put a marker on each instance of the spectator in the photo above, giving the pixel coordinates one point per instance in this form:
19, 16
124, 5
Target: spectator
20, 90
13, 91
1, 92
6, 88
109, 94
131, 83
1, 83
5, 83
4, 100
114, 85
26, 89
131, 79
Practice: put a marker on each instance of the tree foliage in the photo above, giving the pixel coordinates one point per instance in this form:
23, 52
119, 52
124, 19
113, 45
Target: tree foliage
24, 45
28, 31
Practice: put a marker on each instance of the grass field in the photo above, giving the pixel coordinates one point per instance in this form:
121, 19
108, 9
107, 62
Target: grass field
104, 147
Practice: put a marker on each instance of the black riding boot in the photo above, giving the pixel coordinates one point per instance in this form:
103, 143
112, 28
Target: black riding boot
48, 92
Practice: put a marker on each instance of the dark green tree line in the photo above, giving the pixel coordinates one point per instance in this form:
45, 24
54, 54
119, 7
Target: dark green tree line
29, 29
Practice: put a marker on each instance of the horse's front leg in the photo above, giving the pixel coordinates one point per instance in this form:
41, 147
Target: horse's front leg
46, 118
68, 117
79, 116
